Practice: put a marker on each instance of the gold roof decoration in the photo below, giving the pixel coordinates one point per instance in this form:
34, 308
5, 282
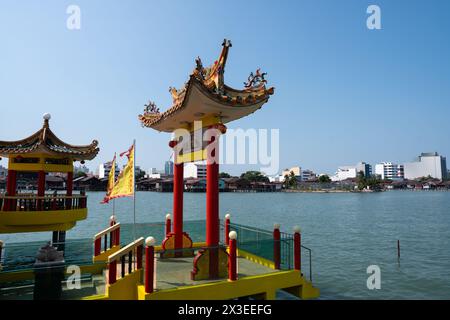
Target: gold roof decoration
45, 141
206, 94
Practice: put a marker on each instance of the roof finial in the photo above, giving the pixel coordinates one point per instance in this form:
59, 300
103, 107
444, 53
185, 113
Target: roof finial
46, 117
227, 43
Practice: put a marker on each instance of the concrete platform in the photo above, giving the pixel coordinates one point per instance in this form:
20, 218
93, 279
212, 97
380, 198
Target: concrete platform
176, 272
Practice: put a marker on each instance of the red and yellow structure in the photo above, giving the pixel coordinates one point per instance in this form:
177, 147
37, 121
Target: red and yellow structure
201, 109
42, 153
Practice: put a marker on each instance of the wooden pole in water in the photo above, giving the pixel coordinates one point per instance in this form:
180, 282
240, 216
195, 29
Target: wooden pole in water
398, 249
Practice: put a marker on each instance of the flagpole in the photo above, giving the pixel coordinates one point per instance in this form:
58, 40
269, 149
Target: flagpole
134, 189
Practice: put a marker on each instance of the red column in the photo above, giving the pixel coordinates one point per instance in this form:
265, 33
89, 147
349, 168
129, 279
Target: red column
276, 247
168, 224
232, 257
149, 264
227, 229
41, 188
178, 189
10, 205
69, 191
212, 216
297, 249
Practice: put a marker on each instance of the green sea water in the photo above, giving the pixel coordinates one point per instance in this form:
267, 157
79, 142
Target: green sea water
347, 232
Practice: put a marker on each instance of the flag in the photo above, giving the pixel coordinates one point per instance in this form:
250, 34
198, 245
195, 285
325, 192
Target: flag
124, 185
111, 180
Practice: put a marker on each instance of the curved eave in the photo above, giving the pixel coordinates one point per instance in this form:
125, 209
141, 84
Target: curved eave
200, 102
39, 143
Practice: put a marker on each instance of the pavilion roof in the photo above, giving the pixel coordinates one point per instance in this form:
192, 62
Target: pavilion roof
45, 141
206, 87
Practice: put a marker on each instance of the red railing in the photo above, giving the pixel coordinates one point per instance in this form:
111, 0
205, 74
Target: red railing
112, 233
32, 202
125, 261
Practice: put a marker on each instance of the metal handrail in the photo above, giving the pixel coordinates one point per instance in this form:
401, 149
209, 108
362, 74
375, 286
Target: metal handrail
310, 261
285, 238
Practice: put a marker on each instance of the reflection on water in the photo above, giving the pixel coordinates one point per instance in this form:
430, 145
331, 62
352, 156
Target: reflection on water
347, 232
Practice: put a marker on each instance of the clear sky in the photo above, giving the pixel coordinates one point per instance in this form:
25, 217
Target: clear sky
344, 93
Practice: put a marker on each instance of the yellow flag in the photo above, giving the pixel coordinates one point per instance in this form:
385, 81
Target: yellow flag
124, 186
111, 180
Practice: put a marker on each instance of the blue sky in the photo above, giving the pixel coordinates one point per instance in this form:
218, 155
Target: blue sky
343, 93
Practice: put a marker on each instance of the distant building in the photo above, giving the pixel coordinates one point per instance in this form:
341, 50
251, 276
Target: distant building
81, 169
296, 170
351, 172
308, 175
390, 171
344, 173
365, 168
105, 168
168, 168
195, 170
427, 164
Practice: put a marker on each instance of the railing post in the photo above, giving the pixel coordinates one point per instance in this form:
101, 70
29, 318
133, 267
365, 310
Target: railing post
277, 246
149, 264
297, 249
112, 221
232, 256
112, 272
117, 236
97, 246
139, 257
168, 224
227, 229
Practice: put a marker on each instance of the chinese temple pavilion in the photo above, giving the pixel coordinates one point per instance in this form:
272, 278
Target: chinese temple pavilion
206, 98
42, 153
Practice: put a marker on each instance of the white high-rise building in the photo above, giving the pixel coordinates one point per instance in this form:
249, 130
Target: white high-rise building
344, 173
427, 164
195, 170
351, 172
390, 171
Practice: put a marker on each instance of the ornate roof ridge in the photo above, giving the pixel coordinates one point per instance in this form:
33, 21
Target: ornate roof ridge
46, 139
211, 80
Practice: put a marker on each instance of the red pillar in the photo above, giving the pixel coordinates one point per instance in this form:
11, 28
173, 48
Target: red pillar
212, 217
178, 189
69, 191
232, 257
10, 204
41, 188
149, 265
276, 247
297, 249
227, 229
